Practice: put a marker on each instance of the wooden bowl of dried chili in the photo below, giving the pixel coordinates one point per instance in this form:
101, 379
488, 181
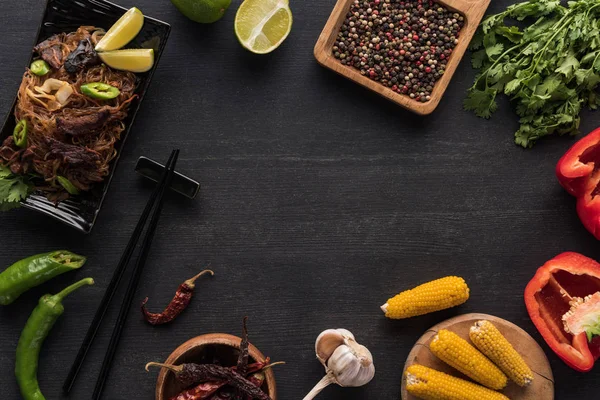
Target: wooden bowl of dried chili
214, 348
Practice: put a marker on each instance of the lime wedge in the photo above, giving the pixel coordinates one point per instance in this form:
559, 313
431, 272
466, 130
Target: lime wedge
123, 31
134, 60
262, 25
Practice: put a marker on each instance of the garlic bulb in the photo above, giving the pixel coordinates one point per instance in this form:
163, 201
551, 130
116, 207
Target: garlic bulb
346, 362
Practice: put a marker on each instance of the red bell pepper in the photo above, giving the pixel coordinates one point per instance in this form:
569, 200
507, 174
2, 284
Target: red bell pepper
578, 171
563, 301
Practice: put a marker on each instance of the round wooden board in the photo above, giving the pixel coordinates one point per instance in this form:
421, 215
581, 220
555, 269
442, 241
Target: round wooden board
542, 387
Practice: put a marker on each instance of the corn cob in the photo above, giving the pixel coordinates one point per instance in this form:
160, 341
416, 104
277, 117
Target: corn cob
429, 384
459, 354
433, 296
490, 341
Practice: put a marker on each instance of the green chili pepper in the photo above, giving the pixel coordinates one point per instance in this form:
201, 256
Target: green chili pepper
35, 270
39, 324
39, 67
64, 182
20, 133
99, 90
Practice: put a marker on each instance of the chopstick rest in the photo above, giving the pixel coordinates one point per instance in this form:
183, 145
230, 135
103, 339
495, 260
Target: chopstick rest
181, 184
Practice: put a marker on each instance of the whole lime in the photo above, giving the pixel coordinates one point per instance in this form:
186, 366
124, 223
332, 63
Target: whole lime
203, 11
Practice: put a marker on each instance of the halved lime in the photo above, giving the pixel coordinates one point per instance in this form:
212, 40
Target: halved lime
134, 60
262, 25
123, 31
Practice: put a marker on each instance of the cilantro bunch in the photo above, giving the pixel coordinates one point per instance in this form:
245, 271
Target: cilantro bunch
13, 189
549, 69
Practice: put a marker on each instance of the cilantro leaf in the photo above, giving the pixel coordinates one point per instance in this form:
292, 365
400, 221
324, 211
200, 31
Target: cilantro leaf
511, 33
512, 86
494, 50
587, 78
4, 172
483, 103
477, 40
478, 58
550, 84
13, 189
569, 65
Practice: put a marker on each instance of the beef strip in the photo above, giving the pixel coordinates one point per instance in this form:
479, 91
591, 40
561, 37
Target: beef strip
20, 161
74, 156
51, 51
82, 125
84, 55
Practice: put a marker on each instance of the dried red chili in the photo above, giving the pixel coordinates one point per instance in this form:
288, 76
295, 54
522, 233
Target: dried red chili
206, 390
226, 394
190, 374
182, 299
242, 363
257, 379
201, 392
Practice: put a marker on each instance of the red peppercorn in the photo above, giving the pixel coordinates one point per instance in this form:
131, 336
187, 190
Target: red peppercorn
402, 52
395, 88
418, 63
427, 69
442, 56
372, 74
416, 37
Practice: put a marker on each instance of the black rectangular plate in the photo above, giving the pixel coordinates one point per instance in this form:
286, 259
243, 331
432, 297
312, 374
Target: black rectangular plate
80, 212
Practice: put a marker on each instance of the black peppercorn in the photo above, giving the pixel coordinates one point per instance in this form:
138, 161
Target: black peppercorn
403, 44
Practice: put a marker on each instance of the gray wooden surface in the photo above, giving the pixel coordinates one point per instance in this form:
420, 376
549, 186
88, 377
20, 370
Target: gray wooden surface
319, 201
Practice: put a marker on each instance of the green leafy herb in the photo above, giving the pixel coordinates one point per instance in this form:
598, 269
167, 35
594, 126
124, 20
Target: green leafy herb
550, 69
13, 189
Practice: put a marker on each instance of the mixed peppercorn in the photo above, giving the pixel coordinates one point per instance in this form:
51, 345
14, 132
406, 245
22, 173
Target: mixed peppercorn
402, 44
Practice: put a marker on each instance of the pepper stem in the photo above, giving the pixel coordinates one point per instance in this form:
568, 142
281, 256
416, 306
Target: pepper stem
174, 368
191, 282
268, 366
323, 383
70, 289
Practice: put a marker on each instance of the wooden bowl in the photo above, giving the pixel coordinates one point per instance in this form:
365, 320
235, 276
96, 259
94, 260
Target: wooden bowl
472, 10
197, 350
542, 386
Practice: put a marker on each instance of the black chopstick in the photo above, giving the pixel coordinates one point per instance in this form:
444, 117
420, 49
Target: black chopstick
116, 279
133, 284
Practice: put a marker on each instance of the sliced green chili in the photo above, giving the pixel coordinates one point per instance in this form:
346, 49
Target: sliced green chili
39, 324
99, 90
69, 187
35, 270
20, 134
39, 67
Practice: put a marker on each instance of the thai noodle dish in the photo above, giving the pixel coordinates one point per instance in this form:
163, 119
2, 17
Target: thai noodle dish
69, 119
69, 115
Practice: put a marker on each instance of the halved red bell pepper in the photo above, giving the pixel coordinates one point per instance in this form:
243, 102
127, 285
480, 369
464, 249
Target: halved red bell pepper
563, 301
578, 171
